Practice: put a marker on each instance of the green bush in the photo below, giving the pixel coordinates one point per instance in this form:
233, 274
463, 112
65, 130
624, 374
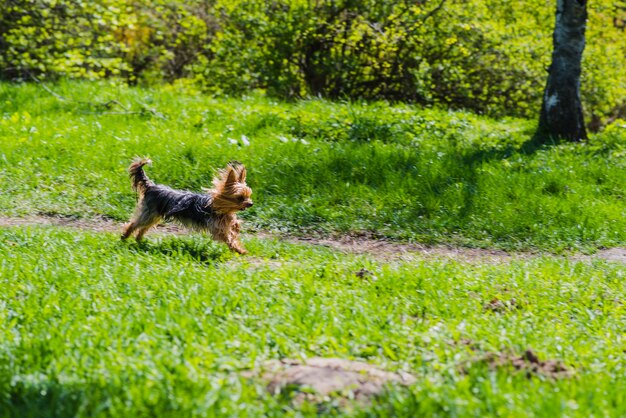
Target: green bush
103, 38
72, 38
486, 56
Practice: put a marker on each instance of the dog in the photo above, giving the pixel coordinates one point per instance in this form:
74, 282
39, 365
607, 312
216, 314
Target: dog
213, 211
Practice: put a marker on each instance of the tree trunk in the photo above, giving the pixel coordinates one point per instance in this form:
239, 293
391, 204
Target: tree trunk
562, 112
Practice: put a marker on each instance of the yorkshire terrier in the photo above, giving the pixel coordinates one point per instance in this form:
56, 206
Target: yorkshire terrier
213, 211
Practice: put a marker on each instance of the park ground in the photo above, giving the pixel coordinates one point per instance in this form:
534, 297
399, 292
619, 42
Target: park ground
431, 244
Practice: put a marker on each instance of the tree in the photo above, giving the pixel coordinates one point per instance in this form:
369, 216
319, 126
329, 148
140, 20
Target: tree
561, 112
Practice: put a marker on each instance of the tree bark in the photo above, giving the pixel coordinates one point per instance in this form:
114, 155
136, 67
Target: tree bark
561, 114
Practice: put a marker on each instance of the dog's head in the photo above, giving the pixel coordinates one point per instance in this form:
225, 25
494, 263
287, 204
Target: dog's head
231, 193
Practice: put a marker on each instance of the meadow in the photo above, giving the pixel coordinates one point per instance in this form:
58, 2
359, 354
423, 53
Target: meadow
97, 327
423, 175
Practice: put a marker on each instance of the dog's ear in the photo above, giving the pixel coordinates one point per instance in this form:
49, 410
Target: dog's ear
242, 174
231, 175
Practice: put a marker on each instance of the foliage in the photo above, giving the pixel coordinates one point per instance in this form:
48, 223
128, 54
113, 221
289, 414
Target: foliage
74, 38
315, 167
97, 39
461, 55
487, 56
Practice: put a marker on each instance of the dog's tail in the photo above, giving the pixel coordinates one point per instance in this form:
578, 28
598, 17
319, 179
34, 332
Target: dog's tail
138, 178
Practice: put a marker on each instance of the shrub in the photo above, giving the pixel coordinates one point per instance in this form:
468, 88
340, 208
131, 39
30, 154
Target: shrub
487, 56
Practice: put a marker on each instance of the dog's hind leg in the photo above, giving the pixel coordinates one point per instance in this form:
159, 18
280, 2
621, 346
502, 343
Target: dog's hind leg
140, 224
144, 223
142, 231
128, 229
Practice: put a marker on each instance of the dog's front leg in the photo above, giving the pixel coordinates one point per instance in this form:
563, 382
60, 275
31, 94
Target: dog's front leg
236, 246
230, 238
236, 226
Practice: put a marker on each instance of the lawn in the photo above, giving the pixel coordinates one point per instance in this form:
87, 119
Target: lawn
97, 327
316, 167
171, 327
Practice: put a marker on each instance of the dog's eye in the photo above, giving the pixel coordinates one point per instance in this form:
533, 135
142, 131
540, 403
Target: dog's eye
241, 198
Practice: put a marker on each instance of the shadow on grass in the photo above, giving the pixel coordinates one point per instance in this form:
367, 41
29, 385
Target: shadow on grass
473, 160
432, 189
198, 249
42, 401
53, 399
470, 162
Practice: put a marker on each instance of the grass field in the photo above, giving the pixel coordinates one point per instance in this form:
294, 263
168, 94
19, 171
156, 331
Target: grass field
93, 326
97, 327
393, 171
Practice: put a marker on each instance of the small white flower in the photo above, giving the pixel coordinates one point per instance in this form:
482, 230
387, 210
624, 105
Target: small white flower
232, 141
245, 140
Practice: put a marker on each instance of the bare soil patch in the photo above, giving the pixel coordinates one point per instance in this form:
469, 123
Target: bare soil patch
389, 250
527, 363
99, 224
319, 379
381, 249
613, 254
500, 306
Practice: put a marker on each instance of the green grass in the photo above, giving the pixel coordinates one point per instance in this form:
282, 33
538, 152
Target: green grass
316, 167
93, 326
96, 327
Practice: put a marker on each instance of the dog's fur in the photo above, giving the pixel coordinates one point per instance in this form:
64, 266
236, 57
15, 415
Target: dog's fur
213, 211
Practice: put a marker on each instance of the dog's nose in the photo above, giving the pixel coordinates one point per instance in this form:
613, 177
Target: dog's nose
249, 204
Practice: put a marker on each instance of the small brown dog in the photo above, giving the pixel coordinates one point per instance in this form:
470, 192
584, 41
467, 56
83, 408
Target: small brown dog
213, 211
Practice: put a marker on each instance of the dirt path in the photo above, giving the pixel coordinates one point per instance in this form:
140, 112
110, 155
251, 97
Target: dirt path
380, 249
